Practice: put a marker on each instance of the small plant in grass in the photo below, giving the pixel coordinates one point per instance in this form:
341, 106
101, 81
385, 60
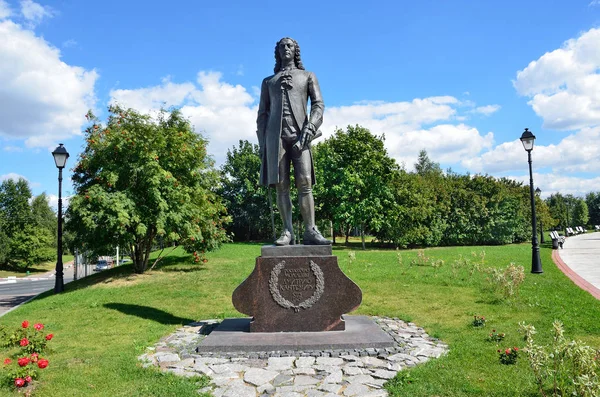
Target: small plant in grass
564, 367
496, 336
421, 259
507, 281
402, 379
478, 321
509, 356
351, 257
26, 344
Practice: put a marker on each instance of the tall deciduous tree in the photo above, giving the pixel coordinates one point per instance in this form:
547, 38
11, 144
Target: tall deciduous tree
580, 213
353, 175
141, 178
592, 200
247, 202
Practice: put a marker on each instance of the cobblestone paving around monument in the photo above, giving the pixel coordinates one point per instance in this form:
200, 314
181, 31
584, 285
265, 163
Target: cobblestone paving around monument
315, 373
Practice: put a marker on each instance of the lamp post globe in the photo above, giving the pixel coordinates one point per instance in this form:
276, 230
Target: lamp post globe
60, 155
528, 139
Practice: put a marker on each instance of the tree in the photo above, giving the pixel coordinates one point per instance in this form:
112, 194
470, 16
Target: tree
140, 178
353, 172
580, 213
247, 202
26, 230
592, 200
425, 165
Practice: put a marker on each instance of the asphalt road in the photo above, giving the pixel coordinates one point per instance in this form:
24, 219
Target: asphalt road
17, 291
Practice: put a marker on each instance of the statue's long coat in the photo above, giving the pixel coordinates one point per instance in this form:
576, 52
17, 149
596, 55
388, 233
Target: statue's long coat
304, 86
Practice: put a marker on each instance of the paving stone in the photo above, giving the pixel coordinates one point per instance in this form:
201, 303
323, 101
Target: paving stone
352, 370
374, 362
360, 379
211, 360
383, 374
330, 388
329, 361
334, 377
266, 388
302, 362
281, 380
376, 393
259, 376
203, 369
356, 389
302, 380
288, 394
304, 371
167, 357
376, 383
326, 368
280, 363
239, 389
231, 367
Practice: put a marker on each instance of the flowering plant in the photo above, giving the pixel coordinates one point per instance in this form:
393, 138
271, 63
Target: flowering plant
478, 321
509, 356
496, 336
26, 344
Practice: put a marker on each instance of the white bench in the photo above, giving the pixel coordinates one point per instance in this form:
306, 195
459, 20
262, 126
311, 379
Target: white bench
570, 232
557, 240
580, 229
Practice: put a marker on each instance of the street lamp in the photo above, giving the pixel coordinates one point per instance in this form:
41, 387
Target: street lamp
60, 158
536, 265
538, 193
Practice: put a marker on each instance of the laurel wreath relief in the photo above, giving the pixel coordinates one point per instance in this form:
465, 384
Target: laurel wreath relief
274, 282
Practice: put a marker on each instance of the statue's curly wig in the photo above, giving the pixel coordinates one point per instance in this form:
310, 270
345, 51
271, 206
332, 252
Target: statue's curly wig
297, 60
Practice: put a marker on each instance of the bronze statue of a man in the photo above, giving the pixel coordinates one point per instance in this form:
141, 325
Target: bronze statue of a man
284, 133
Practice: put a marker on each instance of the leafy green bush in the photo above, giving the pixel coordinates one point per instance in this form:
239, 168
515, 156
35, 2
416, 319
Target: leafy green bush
564, 368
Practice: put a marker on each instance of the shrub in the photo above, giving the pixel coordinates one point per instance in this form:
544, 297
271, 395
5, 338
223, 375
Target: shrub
507, 281
564, 368
478, 321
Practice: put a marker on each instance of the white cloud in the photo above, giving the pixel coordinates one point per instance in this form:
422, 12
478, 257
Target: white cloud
43, 99
594, 3
53, 201
15, 177
12, 149
564, 85
579, 152
5, 10
565, 184
69, 43
226, 113
486, 110
34, 12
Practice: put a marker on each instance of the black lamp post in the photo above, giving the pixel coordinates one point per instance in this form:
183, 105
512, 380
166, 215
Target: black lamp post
536, 265
538, 192
60, 158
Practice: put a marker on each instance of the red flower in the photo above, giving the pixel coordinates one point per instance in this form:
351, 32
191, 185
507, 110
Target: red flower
516, 349
493, 330
7, 361
23, 361
25, 324
49, 336
24, 342
19, 382
507, 351
28, 379
34, 357
42, 363
39, 326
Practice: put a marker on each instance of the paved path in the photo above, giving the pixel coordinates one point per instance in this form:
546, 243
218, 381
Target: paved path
580, 261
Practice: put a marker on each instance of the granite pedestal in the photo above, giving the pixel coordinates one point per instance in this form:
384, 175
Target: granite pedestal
233, 335
297, 289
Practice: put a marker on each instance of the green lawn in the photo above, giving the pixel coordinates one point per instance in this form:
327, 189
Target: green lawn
37, 269
102, 323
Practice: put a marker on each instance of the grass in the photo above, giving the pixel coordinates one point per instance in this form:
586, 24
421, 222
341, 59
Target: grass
37, 269
102, 323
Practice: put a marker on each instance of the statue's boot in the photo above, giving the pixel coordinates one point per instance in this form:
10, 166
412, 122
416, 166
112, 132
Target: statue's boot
286, 238
314, 237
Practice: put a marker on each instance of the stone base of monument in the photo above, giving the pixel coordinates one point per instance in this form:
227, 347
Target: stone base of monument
233, 335
298, 288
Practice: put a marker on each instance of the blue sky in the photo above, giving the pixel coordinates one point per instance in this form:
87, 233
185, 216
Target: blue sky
461, 79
